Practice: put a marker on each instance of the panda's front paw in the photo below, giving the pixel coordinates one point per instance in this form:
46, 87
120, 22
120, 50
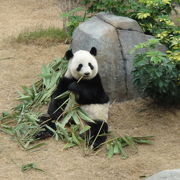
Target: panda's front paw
74, 87
43, 135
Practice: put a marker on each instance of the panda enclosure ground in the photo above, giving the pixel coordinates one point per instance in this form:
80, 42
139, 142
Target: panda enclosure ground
20, 64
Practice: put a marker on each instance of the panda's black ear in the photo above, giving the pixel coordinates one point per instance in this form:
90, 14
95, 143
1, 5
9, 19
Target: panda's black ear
69, 54
93, 51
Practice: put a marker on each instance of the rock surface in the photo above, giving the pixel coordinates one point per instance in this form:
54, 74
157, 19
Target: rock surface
166, 175
113, 36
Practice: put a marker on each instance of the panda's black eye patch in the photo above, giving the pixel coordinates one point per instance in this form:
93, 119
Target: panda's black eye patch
91, 66
79, 67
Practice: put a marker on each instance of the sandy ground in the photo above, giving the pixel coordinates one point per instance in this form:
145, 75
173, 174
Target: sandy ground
20, 65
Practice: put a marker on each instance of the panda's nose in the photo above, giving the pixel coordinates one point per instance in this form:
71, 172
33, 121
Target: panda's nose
86, 74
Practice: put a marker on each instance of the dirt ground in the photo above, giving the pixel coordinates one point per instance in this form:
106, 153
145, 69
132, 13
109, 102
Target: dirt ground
20, 65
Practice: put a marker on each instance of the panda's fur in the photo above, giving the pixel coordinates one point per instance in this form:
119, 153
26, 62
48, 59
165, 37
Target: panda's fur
90, 95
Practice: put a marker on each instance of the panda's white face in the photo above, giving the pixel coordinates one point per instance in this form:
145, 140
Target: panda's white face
82, 65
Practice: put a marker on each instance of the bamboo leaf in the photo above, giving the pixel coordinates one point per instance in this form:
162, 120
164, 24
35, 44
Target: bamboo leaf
76, 118
54, 132
27, 167
24, 98
62, 130
143, 141
75, 139
67, 118
126, 140
84, 117
110, 151
36, 146
7, 129
34, 89
122, 152
116, 149
69, 145
27, 90
65, 94
131, 142
86, 128
30, 166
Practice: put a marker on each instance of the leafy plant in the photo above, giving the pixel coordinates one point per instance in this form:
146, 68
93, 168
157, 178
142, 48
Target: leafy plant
152, 15
146, 12
73, 20
155, 75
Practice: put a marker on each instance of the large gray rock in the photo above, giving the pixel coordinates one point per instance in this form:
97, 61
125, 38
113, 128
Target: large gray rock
166, 175
113, 36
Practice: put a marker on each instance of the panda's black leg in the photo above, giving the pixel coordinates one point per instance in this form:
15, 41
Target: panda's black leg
97, 134
46, 133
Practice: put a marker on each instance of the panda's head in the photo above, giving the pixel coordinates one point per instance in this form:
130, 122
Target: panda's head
82, 64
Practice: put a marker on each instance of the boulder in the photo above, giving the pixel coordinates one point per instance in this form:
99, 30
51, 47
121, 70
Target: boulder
166, 175
114, 37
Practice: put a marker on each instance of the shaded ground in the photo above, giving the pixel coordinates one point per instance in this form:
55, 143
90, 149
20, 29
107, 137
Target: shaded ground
20, 65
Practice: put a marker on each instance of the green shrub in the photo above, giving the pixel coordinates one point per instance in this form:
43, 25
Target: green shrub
155, 75
149, 13
73, 20
152, 15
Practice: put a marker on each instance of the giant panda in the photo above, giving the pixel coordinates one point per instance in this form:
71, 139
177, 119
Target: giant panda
90, 95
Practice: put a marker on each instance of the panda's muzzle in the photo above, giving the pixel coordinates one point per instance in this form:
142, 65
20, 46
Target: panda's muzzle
86, 74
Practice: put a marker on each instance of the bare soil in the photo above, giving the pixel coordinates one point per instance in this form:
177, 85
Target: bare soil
20, 65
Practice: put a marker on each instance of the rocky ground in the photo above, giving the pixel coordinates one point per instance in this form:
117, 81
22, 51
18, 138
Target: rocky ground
20, 64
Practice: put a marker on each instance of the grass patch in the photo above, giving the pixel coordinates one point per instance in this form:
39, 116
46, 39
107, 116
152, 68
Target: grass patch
44, 37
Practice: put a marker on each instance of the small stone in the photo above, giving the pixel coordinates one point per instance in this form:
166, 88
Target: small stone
166, 175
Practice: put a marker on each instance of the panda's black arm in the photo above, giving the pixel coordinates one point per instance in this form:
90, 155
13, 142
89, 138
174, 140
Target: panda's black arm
54, 104
89, 91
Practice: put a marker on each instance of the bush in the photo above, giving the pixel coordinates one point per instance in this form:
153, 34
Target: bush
152, 15
155, 75
73, 20
149, 13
